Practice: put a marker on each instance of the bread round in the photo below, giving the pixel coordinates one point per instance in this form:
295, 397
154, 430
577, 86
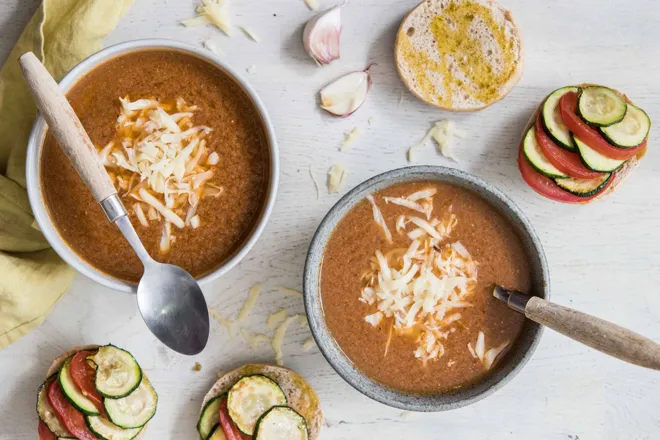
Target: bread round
415, 31
57, 364
621, 174
300, 395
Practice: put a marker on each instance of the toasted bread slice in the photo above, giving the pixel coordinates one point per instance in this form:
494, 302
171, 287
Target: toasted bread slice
57, 364
300, 395
459, 55
621, 174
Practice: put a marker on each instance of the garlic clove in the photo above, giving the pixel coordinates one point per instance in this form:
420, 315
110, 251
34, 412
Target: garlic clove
322, 34
346, 94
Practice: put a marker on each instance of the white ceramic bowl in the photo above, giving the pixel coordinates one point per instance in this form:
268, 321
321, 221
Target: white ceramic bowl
36, 141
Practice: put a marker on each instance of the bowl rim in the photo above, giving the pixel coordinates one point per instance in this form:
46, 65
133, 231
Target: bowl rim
331, 349
35, 143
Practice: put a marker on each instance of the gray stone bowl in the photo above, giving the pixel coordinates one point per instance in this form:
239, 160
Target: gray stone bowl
506, 369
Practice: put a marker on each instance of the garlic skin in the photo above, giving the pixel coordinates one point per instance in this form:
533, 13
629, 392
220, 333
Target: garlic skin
322, 35
346, 94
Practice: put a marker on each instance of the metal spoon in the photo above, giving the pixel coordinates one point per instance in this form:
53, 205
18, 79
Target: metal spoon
170, 300
596, 333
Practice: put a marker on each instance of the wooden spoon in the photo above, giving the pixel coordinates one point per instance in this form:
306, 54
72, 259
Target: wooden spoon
604, 336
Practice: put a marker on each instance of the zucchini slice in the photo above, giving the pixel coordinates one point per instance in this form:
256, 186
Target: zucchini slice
595, 161
281, 423
73, 394
47, 413
117, 372
217, 433
105, 430
631, 131
552, 122
601, 106
210, 417
250, 398
584, 187
134, 410
536, 158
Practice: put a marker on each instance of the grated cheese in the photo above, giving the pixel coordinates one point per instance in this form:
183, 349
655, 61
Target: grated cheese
278, 339
309, 344
275, 318
487, 357
336, 178
254, 339
302, 320
316, 184
156, 160
312, 4
228, 324
374, 319
443, 133
378, 217
351, 136
420, 289
251, 69
212, 45
250, 34
139, 212
215, 12
249, 303
290, 292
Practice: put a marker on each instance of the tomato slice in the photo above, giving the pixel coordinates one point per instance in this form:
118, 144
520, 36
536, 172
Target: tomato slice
565, 161
68, 415
83, 376
45, 433
228, 426
545, 185
588, 135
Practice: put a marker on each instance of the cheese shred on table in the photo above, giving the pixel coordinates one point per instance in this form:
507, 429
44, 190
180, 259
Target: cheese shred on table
420, 290
161, 162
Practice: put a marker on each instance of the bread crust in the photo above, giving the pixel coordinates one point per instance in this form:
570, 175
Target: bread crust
515, 78
300, 395
59, 361
621, 174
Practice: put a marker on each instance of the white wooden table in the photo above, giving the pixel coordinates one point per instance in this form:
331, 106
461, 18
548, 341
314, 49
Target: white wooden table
604, 259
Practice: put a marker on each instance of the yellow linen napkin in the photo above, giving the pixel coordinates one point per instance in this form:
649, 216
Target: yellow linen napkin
32, 277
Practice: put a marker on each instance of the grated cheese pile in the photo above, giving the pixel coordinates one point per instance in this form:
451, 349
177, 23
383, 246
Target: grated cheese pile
421, 289
161, 161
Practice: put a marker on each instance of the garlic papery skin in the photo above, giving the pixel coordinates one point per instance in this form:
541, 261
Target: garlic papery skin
322, 35
346, 94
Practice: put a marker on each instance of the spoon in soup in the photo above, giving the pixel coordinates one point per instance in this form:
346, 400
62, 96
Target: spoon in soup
170, 300
596, 333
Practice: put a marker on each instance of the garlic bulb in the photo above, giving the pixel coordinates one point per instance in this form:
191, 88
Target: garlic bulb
346, 94
322, 34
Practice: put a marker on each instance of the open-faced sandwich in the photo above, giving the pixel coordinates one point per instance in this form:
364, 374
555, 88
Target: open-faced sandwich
95, 393
582, 143
260, 402
459, 55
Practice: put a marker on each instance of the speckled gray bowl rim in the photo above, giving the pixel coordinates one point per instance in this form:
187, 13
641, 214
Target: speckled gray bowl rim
508, 367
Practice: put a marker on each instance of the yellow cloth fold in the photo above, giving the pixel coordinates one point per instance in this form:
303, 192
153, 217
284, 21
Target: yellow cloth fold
32, 277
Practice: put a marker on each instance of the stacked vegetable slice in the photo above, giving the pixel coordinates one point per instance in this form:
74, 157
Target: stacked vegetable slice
255, 407
581, 138
96, 394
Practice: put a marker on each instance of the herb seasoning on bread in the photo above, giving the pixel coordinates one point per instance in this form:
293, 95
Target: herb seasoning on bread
459, 55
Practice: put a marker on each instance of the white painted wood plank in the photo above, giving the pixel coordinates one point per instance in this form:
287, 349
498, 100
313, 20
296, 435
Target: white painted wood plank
604, 258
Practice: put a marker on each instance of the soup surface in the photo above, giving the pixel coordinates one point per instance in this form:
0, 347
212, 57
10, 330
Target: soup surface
233, 130
424, 348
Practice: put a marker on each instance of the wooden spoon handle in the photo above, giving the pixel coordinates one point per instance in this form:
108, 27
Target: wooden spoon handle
596, 333
66, 127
